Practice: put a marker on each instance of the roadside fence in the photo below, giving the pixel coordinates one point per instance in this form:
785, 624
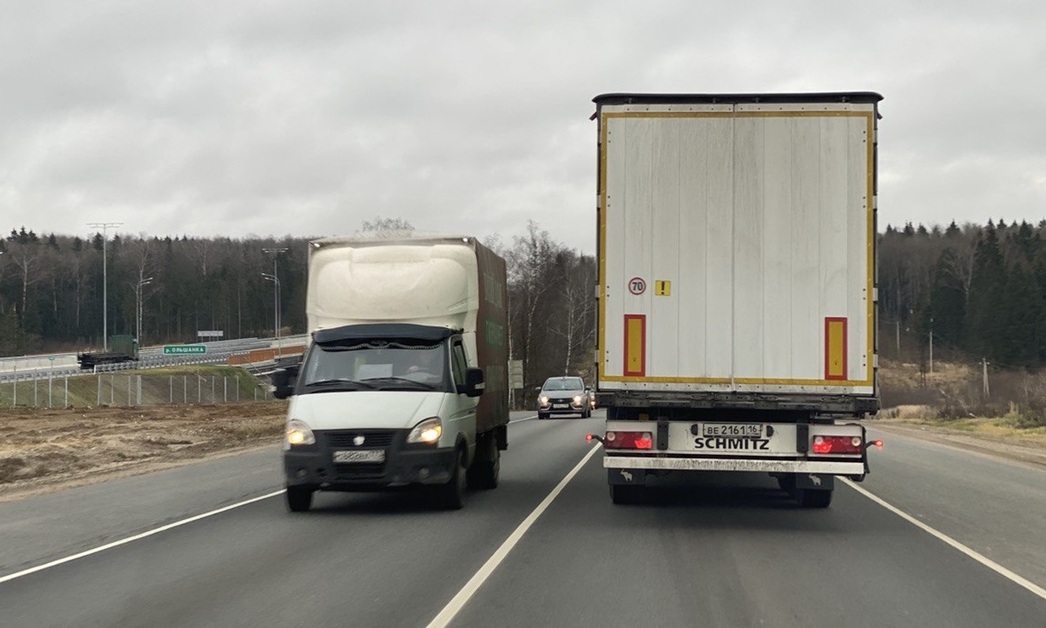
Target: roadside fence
130, 389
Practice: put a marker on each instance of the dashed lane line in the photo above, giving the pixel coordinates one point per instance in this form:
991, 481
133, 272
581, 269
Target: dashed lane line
459, 601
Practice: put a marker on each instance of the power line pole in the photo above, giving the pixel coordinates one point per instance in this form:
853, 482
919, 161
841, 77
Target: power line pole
931, 346
104, 226
276, 295
984, 366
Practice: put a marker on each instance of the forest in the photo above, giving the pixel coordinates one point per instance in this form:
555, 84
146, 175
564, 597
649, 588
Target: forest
166, 289
973, 294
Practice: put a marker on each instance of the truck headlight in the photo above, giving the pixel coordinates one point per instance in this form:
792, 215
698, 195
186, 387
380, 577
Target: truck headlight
428, 431
299, 433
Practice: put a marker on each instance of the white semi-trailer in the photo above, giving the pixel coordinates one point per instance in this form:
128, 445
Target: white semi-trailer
737, 288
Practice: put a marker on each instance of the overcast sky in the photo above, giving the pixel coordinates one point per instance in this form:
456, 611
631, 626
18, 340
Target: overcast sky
269, 118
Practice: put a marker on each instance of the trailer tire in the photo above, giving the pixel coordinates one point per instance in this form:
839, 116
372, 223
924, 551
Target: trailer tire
811, 498
299, 498
623, 494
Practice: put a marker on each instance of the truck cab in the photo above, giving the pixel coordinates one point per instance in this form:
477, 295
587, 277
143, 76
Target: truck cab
381, 406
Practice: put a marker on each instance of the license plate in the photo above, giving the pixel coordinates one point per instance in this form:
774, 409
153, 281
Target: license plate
560, 405
360, 455
742, 430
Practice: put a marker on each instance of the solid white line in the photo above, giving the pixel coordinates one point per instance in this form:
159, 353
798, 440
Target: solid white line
458, 602
982, 559
136, 537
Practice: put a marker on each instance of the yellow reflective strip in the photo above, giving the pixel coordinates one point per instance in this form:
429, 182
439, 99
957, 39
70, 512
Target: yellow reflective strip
835, 348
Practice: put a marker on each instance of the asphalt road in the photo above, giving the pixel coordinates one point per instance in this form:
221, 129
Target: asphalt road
547, 548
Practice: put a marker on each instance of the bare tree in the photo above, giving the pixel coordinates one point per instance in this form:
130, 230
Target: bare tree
529, 263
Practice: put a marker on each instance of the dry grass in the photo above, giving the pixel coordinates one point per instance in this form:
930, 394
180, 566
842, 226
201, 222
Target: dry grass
952, 398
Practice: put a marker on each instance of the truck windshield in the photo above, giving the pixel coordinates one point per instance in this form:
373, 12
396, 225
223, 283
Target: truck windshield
375, 365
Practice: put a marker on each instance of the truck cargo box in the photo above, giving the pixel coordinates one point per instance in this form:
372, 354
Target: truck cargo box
736, 243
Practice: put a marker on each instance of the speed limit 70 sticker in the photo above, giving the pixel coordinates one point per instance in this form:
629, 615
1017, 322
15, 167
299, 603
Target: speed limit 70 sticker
637, 285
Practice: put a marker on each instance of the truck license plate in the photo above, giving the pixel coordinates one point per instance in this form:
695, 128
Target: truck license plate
360, 455
743, 430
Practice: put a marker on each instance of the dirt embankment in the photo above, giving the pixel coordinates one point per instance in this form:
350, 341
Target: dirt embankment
44, 449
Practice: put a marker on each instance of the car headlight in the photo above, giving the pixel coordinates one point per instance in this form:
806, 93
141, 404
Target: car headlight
543, 400
428, 431
299, 433
577, 398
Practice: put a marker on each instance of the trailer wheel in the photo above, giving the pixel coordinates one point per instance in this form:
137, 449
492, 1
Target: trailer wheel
810, 498
299, 498
623, 494
484, 472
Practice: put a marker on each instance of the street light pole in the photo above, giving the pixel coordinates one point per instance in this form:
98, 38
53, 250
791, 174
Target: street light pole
275, 278
276, 312
138, 307
104, 226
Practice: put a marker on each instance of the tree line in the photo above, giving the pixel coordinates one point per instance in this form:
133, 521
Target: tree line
967, 293
51, 292
972, 292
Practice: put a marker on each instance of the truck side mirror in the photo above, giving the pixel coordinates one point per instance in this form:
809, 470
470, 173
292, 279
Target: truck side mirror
283, 381
474, 383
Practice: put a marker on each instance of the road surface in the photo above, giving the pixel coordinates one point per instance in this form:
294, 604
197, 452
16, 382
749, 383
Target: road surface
211, 544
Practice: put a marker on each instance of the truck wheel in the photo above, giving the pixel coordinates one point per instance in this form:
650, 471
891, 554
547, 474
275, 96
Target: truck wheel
624, 493
452, 494
484, 472
810, 498
299, 498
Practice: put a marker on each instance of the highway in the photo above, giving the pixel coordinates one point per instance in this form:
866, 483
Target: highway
211, 544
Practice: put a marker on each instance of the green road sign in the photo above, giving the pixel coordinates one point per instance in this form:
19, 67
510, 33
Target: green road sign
184, 349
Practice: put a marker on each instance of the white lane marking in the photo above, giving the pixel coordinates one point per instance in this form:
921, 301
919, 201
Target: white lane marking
982, 559
458, 602
526, 418
136, 537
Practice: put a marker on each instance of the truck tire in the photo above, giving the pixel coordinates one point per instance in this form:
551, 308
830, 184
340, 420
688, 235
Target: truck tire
623, 494
299, 498
452, 494
810, 498
484, 472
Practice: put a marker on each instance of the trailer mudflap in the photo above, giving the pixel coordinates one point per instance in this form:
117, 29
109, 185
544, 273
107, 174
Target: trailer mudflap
626, 476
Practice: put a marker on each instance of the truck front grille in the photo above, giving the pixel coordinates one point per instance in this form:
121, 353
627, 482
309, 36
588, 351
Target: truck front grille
345, 439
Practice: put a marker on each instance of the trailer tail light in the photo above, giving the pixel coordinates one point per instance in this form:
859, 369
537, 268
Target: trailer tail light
837, 445
629, 440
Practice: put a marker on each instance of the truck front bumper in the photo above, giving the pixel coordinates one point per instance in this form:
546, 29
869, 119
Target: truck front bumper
401, 467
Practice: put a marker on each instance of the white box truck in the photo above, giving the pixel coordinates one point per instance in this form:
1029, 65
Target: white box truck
737, 287
405, 381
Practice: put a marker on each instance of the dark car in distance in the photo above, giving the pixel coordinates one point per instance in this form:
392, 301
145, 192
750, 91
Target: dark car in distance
564, 395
